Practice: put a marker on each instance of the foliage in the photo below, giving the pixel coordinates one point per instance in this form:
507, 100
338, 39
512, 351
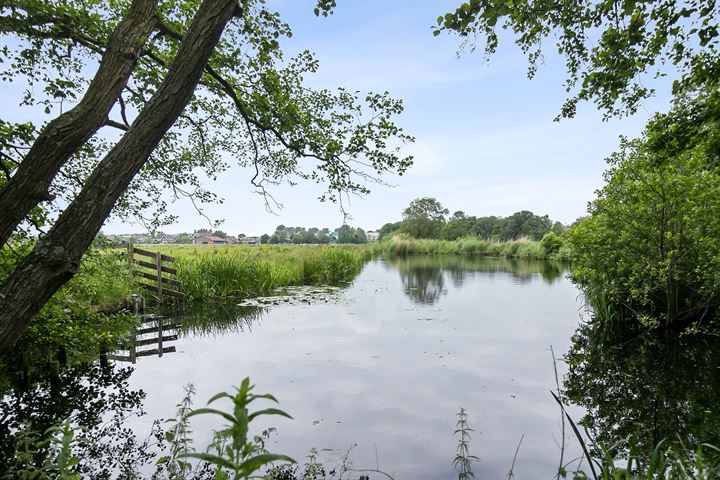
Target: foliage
650, 248
59, 443
470, 245
97, 402
425, 278
179, 438
236, 271
424, 218
648, 389
662, 463
463, 460
348, 234
387, 229
252, 104
551, 243
212, 85
84, 316
610, 48
235, 455
299, 235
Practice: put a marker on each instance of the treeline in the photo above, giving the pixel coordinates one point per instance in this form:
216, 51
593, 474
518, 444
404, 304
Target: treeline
426, 218
314, 235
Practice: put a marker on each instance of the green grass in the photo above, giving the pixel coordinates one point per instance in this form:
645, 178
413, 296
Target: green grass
521, 248
224, 271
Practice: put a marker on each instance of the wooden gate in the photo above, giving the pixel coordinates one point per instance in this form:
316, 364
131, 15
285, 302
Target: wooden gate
154, 332
155, 265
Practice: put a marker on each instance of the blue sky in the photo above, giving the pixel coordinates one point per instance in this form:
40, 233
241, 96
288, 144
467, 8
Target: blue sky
486, 141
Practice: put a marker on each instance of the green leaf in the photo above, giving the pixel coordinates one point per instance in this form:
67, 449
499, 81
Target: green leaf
203, 411
268, 411
252, 464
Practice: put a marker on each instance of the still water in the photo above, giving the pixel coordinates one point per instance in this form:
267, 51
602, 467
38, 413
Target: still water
383, 367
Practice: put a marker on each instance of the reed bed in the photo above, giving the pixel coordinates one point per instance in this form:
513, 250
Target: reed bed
225, 271
523, 248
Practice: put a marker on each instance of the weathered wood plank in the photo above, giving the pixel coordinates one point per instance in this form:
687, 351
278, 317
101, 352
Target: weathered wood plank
120, 358
154, 267
146, 253
143, 331
154, 340
169, 281
154, 351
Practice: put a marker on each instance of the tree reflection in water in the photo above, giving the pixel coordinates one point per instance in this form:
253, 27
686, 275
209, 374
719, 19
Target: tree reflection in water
97, 400
424, 277
652, 388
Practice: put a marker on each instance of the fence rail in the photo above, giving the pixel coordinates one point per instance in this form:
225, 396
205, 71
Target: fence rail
160, 282
155, 331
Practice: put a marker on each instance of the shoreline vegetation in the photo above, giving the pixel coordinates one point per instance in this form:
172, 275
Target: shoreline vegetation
522, 248
209, 272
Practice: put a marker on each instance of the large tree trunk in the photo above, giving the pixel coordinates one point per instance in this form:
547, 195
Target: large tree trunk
30, 183
57, 256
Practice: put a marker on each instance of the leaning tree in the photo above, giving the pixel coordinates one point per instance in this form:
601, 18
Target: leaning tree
120, 101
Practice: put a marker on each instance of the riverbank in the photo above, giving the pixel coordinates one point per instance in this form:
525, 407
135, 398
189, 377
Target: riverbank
226, 271
522, 248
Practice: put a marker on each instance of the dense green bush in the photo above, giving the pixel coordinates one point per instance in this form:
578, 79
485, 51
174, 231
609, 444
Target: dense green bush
650, 248
551, 243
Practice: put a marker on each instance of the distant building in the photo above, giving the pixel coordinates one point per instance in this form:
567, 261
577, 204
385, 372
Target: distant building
372, 236
203, 239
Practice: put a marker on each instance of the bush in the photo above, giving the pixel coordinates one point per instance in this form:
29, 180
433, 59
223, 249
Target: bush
551, 243
651, 245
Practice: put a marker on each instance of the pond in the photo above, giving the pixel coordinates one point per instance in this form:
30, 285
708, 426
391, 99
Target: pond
382, 367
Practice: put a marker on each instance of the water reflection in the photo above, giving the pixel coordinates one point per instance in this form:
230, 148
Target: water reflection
651, 388
96, 399
218, 318
424, 277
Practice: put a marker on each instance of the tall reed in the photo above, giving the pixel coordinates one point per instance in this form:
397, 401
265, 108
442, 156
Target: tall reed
245, 273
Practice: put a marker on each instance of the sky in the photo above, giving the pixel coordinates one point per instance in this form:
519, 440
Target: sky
486, 142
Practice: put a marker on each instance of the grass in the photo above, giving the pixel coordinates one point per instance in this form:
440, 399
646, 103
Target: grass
233, 271
523, 248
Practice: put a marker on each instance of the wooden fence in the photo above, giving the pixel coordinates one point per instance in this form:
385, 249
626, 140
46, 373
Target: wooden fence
161, 284
155, 332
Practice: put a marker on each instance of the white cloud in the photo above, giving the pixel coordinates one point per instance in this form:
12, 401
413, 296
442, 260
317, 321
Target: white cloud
427, 159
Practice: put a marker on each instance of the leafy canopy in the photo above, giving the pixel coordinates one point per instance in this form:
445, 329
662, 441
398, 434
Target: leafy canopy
611, 47
424, 217
651, 244
252, 107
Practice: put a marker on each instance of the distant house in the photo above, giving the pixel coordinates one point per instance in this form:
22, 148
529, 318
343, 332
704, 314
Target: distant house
203, 239
373, 236
249, 240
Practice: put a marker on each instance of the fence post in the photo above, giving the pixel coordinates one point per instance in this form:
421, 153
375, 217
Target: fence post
160, 321
158, 260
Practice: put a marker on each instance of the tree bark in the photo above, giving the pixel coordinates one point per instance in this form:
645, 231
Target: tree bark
60, 139
57, 256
